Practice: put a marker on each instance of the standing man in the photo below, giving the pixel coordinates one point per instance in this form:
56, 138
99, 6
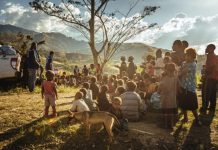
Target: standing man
211, 79
33, 65
49, 61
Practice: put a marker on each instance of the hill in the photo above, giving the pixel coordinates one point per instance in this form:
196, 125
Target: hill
61, 43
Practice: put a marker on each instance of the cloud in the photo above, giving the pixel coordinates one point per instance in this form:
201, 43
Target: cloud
26, 17
198, 31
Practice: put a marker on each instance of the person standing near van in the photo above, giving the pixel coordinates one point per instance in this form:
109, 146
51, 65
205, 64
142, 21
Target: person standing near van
49, 61
33, 65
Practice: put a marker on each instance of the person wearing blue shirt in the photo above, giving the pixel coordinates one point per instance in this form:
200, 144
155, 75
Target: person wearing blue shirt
187, 96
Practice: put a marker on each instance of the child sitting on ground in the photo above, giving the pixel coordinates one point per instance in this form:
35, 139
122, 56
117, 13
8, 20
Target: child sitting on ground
94, 88
86, 85
49, 93
79, 104
103, 98
115, 109
89, 102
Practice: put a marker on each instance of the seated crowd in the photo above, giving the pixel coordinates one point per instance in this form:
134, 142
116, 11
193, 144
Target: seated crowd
165, 83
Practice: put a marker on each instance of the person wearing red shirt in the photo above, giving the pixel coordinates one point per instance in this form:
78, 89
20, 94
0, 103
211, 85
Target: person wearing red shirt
211, 79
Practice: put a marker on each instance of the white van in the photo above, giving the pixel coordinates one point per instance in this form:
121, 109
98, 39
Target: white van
9, 62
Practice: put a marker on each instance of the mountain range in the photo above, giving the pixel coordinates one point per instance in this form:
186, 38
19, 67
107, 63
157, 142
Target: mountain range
61, 43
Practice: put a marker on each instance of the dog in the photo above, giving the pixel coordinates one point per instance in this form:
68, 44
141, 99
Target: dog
87, 118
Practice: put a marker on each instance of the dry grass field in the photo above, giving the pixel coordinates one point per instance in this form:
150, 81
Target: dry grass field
22, 127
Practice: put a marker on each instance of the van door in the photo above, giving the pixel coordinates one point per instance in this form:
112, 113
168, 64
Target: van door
6, 71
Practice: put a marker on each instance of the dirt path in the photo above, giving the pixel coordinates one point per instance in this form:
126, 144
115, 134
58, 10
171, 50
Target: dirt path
22, 127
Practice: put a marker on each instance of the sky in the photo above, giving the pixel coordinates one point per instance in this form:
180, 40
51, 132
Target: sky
192, 20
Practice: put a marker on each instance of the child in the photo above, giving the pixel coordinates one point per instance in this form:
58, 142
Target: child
86, 85
111, 85
79, 104
94, 88
120, 82
103, 100
123, 65
168, 90
115, 109
89, 102
131, 70
85, 71
120, 90
155, 99
49, 93
187, 96
159, 65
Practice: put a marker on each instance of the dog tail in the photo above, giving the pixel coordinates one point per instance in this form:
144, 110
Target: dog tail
115, 118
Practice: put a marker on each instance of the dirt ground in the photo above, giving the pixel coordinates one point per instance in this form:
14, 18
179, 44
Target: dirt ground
22, 127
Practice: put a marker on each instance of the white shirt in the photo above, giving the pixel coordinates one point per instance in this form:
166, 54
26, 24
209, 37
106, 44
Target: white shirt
159, 63
89, 94
79, 106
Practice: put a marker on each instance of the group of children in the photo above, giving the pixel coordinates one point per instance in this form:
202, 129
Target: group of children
129, 94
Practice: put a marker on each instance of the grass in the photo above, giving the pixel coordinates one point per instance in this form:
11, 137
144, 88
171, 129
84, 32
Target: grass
60, 89
22, 127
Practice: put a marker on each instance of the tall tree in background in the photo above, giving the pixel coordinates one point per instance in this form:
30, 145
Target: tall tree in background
91, 19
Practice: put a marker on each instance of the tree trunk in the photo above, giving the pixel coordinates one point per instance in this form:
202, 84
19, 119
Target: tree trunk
92, 33
94, 53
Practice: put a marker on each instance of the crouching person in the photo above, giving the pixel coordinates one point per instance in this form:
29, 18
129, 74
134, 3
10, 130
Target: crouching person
132, 105
79, 105
115, 109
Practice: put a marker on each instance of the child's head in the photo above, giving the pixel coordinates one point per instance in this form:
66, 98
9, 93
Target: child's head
167, 54
92, 66
190, 54
104, 88
166, 60
114, 77
120, 82
116, 102
131, 86
49, 75
93, 79
158, 53
105, 79
149, 58
130, 59
86, 85
120, 90
185, 44
123, 58
78, 95
84, 91
170, 68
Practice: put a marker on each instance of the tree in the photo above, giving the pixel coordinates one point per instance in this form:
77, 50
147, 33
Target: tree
91, 19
